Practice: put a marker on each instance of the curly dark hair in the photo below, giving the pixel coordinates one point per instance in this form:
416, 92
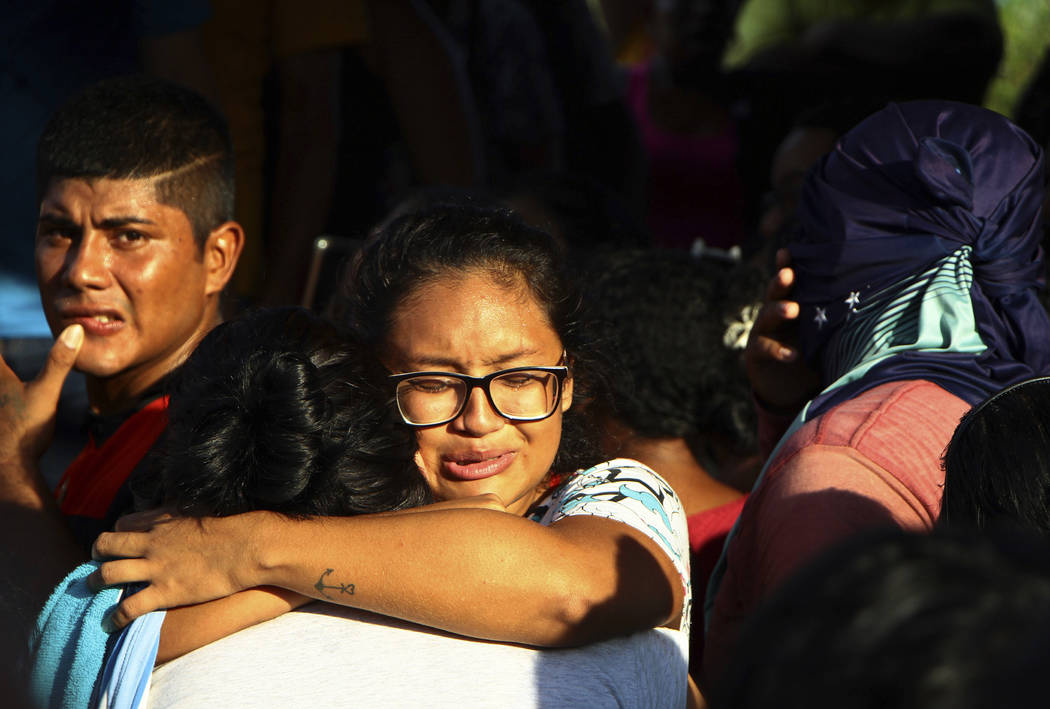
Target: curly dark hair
277, 410
667, 315
453, 237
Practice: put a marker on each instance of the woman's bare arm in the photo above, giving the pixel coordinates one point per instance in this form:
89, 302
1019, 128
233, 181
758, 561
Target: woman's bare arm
477, 572
187, 628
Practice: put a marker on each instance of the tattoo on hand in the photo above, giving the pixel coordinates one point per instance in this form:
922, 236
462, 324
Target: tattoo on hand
347, 588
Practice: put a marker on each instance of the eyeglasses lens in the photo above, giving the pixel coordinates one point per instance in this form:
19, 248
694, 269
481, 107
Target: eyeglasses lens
523, 394
431, 398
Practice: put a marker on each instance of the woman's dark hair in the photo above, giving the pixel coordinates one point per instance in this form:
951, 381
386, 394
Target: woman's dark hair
668, 316
277, 411
455, 238
997, 465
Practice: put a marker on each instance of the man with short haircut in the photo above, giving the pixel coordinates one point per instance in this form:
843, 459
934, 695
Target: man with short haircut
135, 243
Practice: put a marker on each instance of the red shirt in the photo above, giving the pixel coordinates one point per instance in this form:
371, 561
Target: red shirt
707, 536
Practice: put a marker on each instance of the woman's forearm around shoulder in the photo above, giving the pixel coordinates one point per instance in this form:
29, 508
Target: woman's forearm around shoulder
476, 572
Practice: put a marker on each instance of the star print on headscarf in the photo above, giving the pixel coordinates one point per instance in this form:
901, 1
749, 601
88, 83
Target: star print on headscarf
853, 301
821, 317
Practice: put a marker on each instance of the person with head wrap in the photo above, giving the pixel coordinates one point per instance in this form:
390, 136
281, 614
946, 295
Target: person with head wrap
916, 273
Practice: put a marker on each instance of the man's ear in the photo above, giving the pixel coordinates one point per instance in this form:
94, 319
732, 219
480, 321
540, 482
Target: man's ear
221, 251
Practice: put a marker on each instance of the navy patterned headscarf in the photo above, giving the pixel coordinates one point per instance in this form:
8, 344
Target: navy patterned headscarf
919, 255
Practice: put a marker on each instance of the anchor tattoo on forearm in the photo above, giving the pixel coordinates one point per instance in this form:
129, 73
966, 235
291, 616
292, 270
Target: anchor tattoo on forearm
347, 588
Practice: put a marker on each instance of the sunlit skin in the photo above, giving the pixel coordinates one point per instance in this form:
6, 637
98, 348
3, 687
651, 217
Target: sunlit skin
472, 325
112, 258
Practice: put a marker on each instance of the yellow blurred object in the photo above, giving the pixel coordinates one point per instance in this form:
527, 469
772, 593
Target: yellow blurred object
636, 48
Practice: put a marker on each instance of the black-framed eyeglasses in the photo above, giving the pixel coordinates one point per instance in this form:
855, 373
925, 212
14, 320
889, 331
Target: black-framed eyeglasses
516, 394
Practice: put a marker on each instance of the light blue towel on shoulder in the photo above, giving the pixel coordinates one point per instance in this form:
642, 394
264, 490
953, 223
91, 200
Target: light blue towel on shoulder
69, 645
126, 679
68, 650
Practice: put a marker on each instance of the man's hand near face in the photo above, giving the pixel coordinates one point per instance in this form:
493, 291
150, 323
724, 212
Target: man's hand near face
36, 549
27, 409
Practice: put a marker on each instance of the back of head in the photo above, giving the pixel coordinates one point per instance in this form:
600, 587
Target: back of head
668, 317
277, 411
453, 238
899, 620
997, 465
929, 175
135, 127
918, 255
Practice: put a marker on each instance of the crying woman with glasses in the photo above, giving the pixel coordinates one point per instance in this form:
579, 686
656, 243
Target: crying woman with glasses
530, 538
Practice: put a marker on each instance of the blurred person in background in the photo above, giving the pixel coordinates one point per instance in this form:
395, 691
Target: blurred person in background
913, 281
680, 400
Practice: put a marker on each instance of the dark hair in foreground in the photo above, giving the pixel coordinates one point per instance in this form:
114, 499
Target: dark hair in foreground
935, 621
997, 465
668, 315
456, 238
135, 127
277, 411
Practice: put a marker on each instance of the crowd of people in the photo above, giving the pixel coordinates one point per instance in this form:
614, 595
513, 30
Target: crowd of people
716, 380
